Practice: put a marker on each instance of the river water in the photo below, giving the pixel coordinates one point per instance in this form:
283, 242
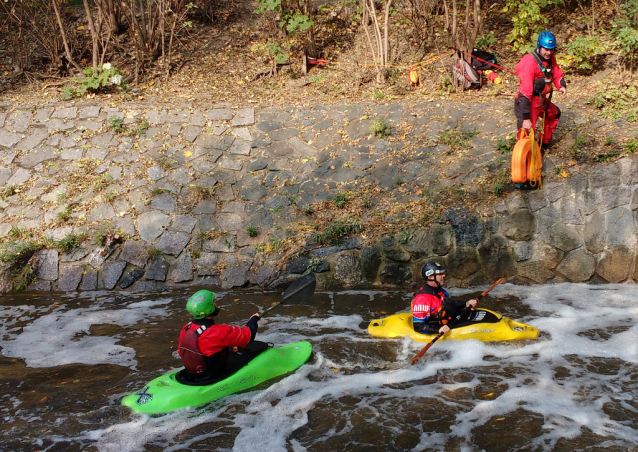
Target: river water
67, 360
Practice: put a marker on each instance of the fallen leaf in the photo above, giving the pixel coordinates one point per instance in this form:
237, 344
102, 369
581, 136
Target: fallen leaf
500, 419
335, 371
488, 395
236, 299
188, 153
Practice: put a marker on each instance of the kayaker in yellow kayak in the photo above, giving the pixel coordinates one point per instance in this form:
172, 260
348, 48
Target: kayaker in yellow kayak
432, 308
205, 346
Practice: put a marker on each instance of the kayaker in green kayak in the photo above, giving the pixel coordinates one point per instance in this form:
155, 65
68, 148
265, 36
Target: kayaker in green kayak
204, 345
432, 308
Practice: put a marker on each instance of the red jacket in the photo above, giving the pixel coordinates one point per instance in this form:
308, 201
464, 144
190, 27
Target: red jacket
218, 337
528, 72
431, 309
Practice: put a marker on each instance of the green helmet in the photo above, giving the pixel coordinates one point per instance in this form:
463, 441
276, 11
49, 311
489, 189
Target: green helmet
201, 304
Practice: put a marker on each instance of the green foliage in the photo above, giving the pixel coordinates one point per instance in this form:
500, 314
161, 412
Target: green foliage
277, 52
98, 80
101, 182
153, 252
115, 124
583, 49
64, 215
631, 147
527, 18
340, 200
405, 236
506, 145
69, 242
457, 139
138, 129
251, 231
8, 191
380, 128
625, 32
291, 18
338, 232
487, 40
378, 94
614, 101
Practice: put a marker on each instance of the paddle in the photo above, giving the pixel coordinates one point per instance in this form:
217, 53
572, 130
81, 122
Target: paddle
298, 291
456, 319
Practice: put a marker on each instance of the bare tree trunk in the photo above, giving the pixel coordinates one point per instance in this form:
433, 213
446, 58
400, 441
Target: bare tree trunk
364, 22
63, 33
386, 32
454, 40
89, 18
447, 16
311, 46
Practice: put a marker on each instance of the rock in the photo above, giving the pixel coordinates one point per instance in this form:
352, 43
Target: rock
9, 139
495, 257
535, 271
184, 223
124, 223
348, 269
523, 251
206, 263
611, 197
224, 244
219, 114
604, 176
151, 225
103, 211
76, 254
71, 277
157, 269
519, 225
131, 278
467, 227
19, 177
36, 156
263, 275
594, 234
565, 238
463, 262
298, 265
90, 280
173, 242
620, 227
45, 265
184, 269
244, 117
144, 286
397, 254
577, 266
395, 274
40, 286
206, 206
614, 264
99, 256
235, 275
370, 262
164, 202
135, 253
111, 272
325, 251
229, 222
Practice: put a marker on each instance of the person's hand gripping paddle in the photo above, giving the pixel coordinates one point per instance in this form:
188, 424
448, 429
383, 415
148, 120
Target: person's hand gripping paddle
456, 319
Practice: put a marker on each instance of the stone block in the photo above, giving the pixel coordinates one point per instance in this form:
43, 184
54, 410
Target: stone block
70, 278
173, 242
577, 266
130, 278
184, 223
65, 113
534, 271
206, 263
467, 226
244, 117
157, 269
135, 253
614, 264
348, 269
519, 225
111, 272
620, 228
495, 257
463, 262
570, 211
151, 225
184, 268
45, 265
101, 212
90, 280
604, 176
611, 197
523, 251
220, 114
164, 202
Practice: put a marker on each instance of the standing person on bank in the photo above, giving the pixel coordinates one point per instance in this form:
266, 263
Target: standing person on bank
432, 308
539, 73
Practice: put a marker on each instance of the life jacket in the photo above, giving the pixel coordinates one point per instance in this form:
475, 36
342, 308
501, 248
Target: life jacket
464, 75
436, 310
194, 361
543, 86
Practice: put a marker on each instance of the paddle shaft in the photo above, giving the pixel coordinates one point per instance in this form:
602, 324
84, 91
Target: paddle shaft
456, 319
299, 291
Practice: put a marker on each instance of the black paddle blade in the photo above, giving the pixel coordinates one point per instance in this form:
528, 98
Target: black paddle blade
300, 290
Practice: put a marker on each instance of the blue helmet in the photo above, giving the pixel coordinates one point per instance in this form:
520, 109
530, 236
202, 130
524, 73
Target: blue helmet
546, 39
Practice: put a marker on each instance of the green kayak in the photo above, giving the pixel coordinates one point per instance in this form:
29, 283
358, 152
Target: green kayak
165, 393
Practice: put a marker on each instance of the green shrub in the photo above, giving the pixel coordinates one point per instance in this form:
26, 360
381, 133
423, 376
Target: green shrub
251, 231
380, 128
338, 232
527, 19
583, 49
102, 79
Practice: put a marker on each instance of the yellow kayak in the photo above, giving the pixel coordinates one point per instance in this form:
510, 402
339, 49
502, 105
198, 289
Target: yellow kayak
483, 325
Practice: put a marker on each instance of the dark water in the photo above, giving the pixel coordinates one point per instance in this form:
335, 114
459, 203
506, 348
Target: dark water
67, 360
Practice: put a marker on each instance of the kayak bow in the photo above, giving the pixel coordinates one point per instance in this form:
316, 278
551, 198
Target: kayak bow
165, 393
484, 325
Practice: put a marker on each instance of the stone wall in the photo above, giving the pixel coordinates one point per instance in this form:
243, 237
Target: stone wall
70, 173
